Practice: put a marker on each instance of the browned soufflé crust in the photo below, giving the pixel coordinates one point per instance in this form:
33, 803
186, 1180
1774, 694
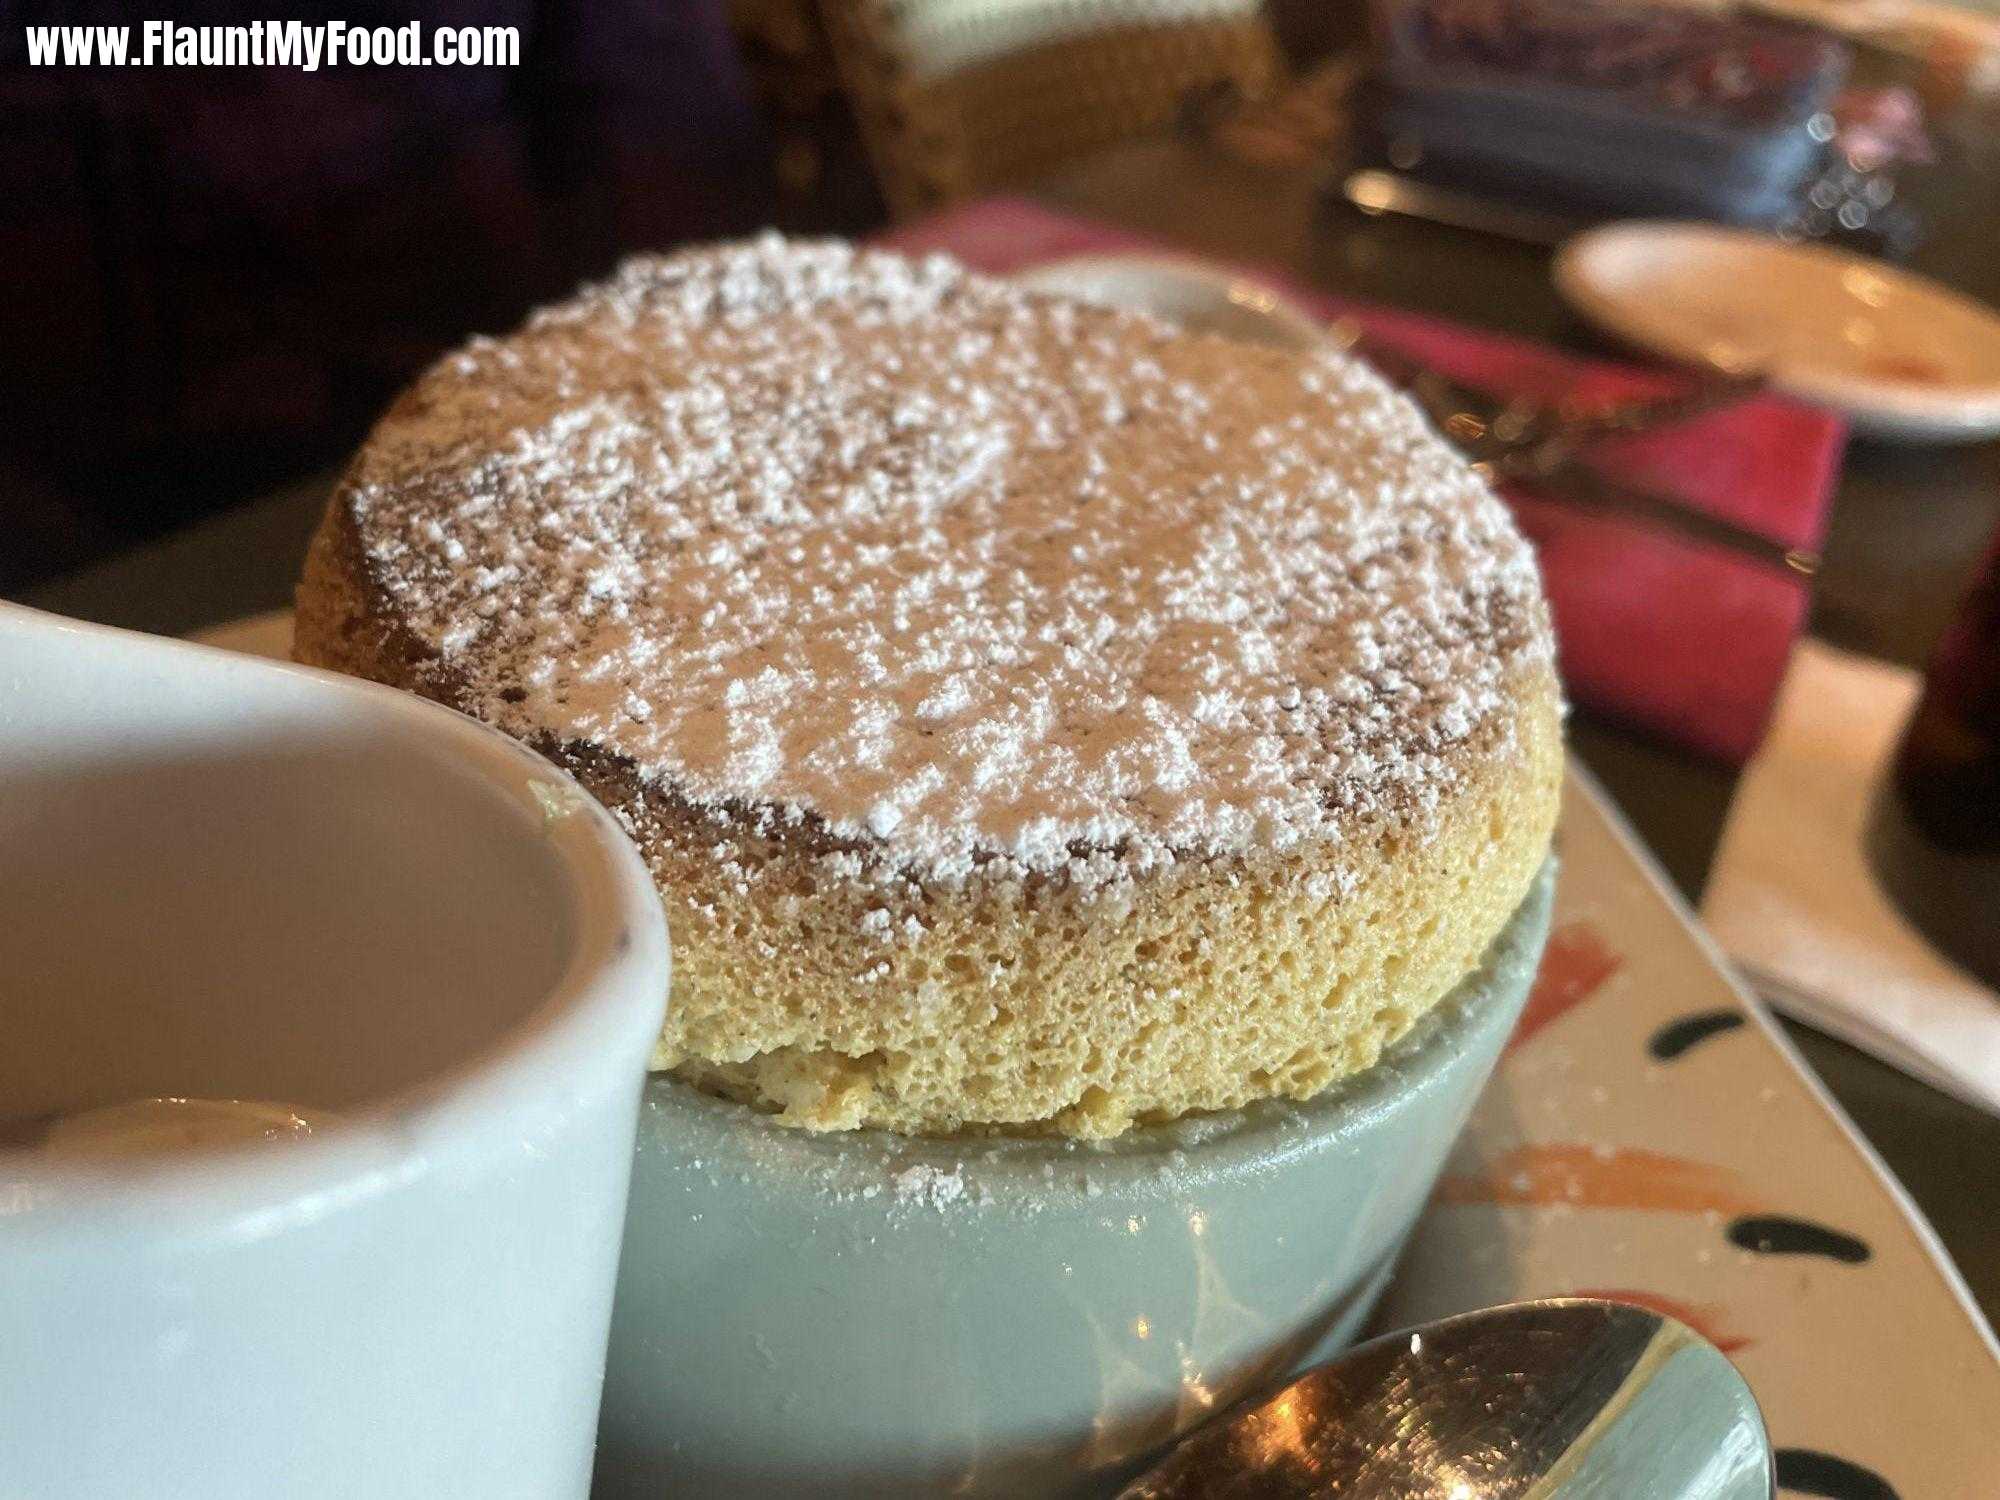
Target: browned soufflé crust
1034, 716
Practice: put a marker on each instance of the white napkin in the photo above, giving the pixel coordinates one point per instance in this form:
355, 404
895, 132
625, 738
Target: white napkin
1795, 902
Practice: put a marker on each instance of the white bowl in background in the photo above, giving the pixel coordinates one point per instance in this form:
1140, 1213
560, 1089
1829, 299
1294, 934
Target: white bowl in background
1192, 293
227, 878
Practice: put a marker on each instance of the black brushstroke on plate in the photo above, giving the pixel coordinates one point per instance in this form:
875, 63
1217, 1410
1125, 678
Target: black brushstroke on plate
1676, 1037
1807, 1471
1773, 1234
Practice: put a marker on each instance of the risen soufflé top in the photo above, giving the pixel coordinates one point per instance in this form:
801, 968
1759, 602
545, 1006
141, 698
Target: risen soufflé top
987, 582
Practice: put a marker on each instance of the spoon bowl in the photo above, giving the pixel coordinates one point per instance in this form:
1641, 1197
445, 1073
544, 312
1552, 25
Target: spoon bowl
1568, 1397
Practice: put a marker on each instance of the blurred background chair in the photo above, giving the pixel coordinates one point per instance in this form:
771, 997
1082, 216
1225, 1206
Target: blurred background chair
957, 97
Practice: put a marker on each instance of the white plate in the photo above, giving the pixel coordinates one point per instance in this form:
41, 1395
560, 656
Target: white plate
1899, 355
1195, 294
1651, 1135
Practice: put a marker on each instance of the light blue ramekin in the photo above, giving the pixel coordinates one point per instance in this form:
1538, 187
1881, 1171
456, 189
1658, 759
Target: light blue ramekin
871, 1315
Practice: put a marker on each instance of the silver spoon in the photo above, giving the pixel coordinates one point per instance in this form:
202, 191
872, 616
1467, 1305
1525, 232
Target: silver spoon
1567, 1398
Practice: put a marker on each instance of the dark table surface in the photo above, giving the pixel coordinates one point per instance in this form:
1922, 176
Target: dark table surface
1907, 529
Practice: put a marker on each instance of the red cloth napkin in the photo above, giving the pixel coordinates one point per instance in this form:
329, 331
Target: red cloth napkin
1677, 638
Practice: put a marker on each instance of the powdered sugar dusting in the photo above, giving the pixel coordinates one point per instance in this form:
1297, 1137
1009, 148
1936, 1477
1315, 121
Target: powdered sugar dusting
980, 580
929, 1185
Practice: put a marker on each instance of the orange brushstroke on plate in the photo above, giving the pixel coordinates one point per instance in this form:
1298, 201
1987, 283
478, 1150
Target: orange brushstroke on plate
1576, 962
1601, 1177
1709, 1319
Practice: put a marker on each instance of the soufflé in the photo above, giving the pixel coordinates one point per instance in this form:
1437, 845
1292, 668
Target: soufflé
1035, 717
